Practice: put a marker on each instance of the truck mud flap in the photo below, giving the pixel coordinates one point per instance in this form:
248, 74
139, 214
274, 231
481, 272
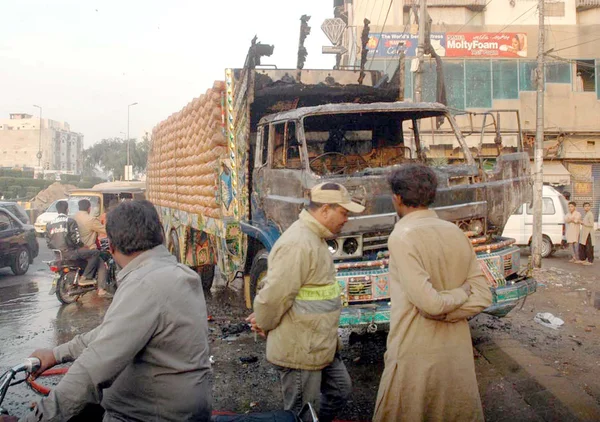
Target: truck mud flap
506, 298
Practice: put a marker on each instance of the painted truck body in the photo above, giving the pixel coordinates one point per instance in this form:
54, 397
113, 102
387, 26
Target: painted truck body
283, 136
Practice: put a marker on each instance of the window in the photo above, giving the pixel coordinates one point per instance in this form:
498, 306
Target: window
478, 75
558, 73
5, 223
519, 211
454, 76
585, 76
547, 207
505, 75
554, 9
262, 147
278, 131
527, 80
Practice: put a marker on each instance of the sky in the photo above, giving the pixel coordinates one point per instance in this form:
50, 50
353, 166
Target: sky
84, 61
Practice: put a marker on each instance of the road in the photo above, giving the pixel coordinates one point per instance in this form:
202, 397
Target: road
519, 365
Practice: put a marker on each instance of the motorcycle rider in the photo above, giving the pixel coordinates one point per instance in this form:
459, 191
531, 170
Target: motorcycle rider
63, 234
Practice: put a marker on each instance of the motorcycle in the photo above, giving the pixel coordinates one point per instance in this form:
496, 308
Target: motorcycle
68, 272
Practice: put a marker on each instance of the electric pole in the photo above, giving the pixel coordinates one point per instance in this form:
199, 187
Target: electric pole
536, 240
418, 95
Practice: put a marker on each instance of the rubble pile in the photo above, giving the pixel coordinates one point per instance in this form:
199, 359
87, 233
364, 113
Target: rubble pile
185, 153
52, 193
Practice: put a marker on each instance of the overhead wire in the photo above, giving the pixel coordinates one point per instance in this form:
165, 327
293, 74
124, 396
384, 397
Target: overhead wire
475, 15
383, 27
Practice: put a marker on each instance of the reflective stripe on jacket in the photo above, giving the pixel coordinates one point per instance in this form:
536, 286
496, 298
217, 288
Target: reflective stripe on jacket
300, 303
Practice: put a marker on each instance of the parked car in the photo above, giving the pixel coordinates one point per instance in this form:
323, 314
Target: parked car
554, 209
18, 243
46, 217
16, 210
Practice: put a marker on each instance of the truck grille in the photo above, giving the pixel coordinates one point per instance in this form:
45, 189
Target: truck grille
375, 241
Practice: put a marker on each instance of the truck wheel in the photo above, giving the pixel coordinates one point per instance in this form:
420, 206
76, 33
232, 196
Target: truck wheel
258, 272
207, 275
174, 245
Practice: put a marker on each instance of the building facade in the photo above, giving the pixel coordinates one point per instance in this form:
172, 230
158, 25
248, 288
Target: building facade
22, 140
488, 50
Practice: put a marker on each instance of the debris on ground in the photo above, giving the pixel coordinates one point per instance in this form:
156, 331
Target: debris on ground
548, 320
232, 329
249, 359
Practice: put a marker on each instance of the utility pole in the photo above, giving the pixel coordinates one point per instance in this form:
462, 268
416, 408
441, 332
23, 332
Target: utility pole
128, 173
418, 95
39, 153
536, 240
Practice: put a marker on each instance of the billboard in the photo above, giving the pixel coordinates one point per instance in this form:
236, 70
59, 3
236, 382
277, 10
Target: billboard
486, 44
450, 44
389, 44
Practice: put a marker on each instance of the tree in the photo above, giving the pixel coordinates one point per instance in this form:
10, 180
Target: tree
111, 156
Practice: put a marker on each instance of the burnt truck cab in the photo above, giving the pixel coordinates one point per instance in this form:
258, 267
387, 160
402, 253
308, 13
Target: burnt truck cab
358, 145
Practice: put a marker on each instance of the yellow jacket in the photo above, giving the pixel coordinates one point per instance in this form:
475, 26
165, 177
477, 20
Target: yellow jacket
300, 304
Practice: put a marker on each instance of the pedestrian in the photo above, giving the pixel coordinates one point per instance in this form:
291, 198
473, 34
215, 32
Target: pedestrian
298, 309
573, 225
435, 283
586, 237
149, 358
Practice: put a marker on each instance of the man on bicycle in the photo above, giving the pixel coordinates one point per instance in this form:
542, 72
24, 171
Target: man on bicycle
149, 358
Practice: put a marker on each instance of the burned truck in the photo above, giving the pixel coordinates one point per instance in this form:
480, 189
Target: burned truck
232, 171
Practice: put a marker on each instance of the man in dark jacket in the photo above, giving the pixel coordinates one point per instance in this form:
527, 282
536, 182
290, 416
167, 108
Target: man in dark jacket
63, 234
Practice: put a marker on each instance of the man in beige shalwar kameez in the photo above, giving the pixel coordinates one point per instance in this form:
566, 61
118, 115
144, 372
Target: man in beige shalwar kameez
435, 284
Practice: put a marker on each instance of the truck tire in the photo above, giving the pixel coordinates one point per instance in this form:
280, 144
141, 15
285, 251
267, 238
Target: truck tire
258, 272
174, 245
207, 275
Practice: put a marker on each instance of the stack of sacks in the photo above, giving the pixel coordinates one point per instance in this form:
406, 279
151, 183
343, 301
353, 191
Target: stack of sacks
185, 153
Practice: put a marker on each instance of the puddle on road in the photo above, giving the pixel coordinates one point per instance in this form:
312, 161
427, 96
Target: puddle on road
30, 319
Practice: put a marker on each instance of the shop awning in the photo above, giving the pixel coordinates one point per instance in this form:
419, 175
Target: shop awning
556, 174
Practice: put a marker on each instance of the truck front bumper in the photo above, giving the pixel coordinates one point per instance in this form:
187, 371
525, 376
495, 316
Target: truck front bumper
504, 299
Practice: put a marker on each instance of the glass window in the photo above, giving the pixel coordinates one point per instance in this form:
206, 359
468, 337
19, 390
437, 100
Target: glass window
558, 72
278, 150
430, 81
454, 75
4, 222
505, 79
74, 205
547, 207
519, 211
527, 75
478, 73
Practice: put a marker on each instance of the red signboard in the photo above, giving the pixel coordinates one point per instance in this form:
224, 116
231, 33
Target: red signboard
486, 44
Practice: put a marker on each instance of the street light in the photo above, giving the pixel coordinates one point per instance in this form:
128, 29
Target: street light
128, 160
39, 154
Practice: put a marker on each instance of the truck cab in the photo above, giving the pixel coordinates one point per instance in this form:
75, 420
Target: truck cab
358, 145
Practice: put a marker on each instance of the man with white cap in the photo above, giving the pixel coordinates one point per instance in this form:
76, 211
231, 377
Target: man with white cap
299, 307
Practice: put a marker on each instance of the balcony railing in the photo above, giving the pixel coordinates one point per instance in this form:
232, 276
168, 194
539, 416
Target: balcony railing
469, 4
587, 4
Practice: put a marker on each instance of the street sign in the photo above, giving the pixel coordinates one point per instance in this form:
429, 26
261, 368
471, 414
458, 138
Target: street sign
334, 49
333, 28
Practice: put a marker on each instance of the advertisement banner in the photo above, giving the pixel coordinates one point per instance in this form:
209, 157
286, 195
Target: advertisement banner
388, 44
486, 44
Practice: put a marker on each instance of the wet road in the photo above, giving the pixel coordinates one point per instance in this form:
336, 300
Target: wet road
31, 319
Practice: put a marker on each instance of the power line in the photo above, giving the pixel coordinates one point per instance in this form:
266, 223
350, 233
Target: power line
473, 17
383, 27
574, 45
517, 18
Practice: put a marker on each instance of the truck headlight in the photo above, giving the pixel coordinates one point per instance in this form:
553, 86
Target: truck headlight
333, 246
350, 246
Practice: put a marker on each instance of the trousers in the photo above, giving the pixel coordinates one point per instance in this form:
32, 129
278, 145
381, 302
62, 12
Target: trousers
326, 390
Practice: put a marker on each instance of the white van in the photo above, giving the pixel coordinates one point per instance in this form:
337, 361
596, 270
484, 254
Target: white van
554, 209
